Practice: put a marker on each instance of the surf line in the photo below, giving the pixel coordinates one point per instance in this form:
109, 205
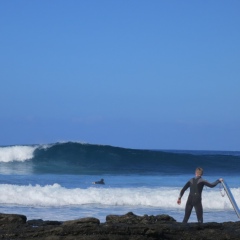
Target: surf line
231, 198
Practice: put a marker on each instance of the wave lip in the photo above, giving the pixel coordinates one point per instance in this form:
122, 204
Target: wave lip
16, 153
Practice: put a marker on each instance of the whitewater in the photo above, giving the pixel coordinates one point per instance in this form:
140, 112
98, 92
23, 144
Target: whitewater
33, 182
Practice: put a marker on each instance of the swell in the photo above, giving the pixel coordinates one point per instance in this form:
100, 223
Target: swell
78, 158
89, 158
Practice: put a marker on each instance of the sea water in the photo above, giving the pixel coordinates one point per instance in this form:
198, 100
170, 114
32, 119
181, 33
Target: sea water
36, 185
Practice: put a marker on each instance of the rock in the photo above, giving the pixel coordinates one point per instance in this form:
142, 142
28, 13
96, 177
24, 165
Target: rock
124, 227
82, 221
131, 218
12, 219
40, 222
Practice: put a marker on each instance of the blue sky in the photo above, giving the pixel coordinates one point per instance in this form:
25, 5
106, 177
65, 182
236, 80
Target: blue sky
129, 73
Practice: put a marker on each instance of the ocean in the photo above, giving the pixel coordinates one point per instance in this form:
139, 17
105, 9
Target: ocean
55, 181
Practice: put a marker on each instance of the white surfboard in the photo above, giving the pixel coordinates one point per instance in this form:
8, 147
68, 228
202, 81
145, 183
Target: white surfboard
231, 198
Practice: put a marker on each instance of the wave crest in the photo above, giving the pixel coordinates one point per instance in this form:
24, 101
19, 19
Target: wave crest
16, 153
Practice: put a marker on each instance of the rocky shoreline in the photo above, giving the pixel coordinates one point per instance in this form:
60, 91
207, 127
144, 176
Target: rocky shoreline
116, 227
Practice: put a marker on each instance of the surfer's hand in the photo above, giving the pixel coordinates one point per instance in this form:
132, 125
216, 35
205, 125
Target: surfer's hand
179, 201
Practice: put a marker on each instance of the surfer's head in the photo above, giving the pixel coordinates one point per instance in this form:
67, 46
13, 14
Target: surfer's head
199, 171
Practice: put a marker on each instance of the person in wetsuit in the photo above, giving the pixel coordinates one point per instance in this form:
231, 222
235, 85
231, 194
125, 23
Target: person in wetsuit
99, 182
196, 185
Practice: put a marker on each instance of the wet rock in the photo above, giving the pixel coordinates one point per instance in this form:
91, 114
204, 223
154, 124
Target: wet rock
124, 227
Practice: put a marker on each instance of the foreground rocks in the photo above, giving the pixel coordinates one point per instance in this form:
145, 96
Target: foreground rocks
125, 227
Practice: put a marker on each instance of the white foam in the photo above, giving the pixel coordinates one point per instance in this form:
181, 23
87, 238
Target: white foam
56, 196
16, 153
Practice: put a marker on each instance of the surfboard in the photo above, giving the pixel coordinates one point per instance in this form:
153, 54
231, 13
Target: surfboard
231, 198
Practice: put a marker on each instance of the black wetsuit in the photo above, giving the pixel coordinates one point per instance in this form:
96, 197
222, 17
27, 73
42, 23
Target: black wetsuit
195, 197
100, 182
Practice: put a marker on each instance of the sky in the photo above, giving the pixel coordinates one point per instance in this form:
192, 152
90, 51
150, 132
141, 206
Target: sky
129, 73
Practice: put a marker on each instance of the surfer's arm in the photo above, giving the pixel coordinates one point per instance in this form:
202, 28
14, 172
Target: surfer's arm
187, 185
211, 185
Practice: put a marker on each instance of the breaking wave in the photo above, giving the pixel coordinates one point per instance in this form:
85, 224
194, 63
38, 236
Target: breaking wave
57, 196
78, 158
16, 153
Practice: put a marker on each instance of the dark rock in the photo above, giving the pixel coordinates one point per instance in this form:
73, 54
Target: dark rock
131, 218
12, 219
125, 227
40, 222
82, 221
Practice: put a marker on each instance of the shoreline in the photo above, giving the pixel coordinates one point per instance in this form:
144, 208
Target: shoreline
117, 227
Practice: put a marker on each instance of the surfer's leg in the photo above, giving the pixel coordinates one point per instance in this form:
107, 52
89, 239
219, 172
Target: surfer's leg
199, 210
188, 210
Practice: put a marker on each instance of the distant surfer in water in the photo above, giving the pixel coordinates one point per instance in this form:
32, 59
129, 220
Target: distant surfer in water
99, 182
196, 185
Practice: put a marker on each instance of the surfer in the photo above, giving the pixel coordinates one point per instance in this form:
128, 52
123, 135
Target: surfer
196, 185
99, 182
